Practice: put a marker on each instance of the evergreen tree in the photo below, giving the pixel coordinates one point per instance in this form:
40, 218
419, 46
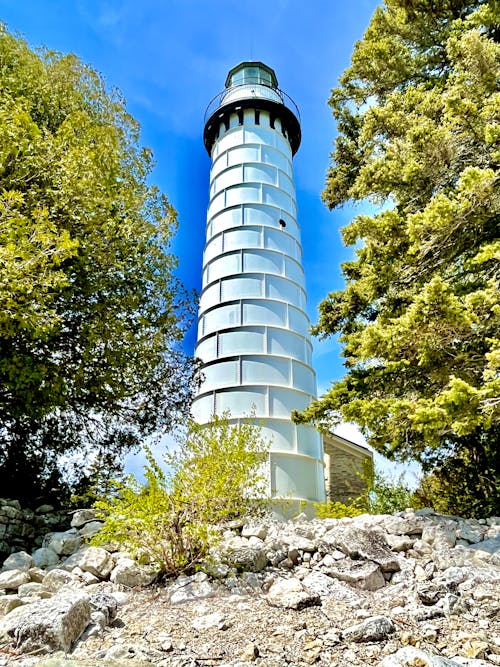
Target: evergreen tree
418, 114
91, 316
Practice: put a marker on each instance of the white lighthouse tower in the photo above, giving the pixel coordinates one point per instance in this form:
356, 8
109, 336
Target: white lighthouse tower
253, 335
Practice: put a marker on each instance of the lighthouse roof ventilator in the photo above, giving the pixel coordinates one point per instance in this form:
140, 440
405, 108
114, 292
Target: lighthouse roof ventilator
253, 330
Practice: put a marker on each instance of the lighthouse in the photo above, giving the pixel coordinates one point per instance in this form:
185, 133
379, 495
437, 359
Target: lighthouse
253, 330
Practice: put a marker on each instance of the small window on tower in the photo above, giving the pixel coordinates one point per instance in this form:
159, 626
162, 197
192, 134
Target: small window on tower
282, 223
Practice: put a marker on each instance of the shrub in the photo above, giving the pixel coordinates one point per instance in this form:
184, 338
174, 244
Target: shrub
337, 510
386, 494
212, 477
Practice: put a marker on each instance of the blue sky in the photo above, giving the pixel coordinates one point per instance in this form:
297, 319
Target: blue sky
169, 58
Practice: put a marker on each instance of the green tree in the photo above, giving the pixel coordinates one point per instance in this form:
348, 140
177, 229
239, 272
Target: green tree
214, 475
91, 315
418, 115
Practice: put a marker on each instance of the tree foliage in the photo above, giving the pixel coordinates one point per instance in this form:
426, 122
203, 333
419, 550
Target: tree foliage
418, 115
214, 475
90, 313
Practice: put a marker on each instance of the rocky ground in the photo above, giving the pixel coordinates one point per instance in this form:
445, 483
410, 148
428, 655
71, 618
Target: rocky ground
412, 590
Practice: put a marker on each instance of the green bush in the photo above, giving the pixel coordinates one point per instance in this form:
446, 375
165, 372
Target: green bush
337, 510
386, 494
213, 476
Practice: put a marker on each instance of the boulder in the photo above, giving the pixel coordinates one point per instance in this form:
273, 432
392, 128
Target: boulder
105, 604
209, 621
325, 586
360, 543
44, 557
47, 625
64, 543
372, 629
95, 560
90, 529
8, 603
365, 575
81, 517
246, 558
20, 560
57, 579
291, 594
129, 573
12, 579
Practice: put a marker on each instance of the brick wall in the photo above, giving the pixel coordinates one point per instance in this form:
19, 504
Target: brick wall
345, 463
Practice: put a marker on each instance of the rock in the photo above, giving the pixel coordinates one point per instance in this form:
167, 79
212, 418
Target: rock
470, 534
19, 560
90, 529
104, 604
32, 589
373, 629
258, 530
95, 560
359, 543
215, 620
439, 536
64, 543
186, 589
291, 594
430, 593
396, 525
47, 625
362, 574
57, 579
250, 652
246, 558
400, 542
81, 517
12, 579
410, 656
326, 586
44, 557
491, 546
129, 573
8, 603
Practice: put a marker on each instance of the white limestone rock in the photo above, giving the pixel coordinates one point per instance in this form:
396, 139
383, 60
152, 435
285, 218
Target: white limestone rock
83, 516
372, 629
291, 594
129, 573
367, 544
20, 560
251, 558
95, 560
208, 621
57, 579
326, 586
47, 625
365, 575
12, 579
8, 603
409, 656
